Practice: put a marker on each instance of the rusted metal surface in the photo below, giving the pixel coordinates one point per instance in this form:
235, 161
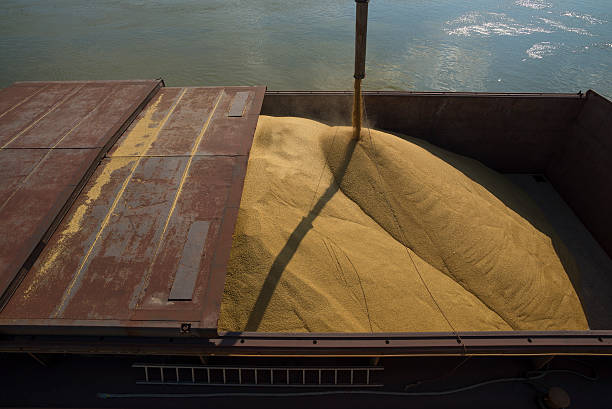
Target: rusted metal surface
51, 137
189, 264
13, 97
238, 104
115, 256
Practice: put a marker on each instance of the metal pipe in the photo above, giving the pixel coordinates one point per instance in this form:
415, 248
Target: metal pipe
361, 29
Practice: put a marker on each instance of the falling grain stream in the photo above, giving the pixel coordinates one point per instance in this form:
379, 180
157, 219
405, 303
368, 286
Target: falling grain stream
357, 109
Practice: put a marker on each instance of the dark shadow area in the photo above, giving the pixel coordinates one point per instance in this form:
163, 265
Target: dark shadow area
80, 381
286, 254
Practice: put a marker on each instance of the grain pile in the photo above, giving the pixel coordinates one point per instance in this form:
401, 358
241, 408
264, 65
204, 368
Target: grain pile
388, 234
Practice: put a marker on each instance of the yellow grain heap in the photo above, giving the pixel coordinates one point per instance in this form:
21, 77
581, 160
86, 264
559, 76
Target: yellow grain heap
317, 245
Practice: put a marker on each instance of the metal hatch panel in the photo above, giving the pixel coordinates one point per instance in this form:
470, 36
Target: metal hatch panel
157, 214
52, 134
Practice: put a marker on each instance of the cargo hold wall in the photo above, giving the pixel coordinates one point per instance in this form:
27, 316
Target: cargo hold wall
511, 133
581, 170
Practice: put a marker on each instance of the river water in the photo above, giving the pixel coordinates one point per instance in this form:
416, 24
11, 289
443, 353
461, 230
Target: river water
449, 45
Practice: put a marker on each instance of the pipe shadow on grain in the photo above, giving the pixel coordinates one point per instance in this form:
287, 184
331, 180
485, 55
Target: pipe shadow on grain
289, 249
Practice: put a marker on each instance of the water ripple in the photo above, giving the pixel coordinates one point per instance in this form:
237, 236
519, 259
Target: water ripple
562, 27
487, 24
586, 17
534, 4
540, 50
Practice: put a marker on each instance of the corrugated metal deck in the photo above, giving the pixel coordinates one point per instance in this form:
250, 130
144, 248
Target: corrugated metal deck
52, 135
147, 240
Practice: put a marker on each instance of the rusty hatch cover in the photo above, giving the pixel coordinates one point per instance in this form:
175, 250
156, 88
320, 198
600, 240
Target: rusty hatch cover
147, 241
52, 135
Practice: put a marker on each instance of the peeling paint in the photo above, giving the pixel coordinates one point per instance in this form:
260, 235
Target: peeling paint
145, 132
138, 137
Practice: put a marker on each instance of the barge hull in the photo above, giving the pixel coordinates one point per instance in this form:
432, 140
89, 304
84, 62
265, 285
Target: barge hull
527, 134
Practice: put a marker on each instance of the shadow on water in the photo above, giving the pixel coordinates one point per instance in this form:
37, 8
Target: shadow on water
286, 254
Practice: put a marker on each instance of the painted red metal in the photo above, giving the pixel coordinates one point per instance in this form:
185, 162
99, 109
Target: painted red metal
51, 134
115, 255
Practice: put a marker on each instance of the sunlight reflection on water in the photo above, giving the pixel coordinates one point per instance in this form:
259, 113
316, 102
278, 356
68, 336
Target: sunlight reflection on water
522, 45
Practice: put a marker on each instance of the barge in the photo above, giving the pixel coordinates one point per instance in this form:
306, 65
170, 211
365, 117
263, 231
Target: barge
121, 197
119, 200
